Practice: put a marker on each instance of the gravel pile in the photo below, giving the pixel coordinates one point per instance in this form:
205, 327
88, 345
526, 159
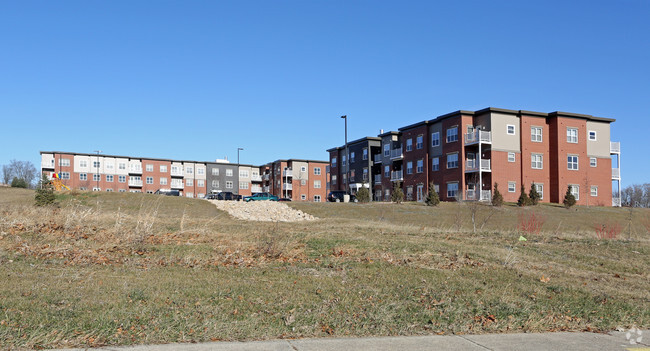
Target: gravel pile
270, 211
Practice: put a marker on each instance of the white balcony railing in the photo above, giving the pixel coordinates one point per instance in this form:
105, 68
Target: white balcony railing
396, 153
178, 185
377, 158
135, 170
396, 176
377, 178
616, 201
176, 172
256, 189
287, 173
472, 195
614, 147
287, 186
135, 182
473, 165
256, 178
616, 173
478, 135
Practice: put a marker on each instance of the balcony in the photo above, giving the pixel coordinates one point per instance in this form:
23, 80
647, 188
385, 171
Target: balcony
614, 147
472, 195
135, 170
473, 166
287, 173
616, 173
256, 178
482, 136
396, 154
287, 186
266, 176
616, 201
133, 182
377, 179
256, 189
396, 176
176, 172
178, 185
377, 158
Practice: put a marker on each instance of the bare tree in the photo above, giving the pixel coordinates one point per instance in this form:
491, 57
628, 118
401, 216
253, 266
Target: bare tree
6, 174
24, 170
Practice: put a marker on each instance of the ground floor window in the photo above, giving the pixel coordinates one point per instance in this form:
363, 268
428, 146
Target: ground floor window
594, 190
409, 193
420, 192
575, 191
452, 190
316, 198
512, 187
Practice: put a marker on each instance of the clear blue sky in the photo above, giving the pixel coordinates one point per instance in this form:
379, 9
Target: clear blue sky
197, 79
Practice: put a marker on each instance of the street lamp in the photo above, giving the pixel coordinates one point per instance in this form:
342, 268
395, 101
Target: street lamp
98, 176
347, 154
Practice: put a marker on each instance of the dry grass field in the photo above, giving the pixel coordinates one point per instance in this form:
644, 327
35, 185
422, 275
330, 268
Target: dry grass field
117, 269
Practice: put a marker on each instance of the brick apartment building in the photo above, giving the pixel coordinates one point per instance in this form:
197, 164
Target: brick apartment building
191, 178
464, 153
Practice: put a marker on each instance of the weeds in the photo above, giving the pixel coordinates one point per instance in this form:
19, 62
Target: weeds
608, 230
531, 222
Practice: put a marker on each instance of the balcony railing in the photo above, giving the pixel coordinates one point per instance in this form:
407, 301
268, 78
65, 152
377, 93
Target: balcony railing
377, 158
287, 186
478, 136
616, 173
135, 182
256, 189
396, 176
256, 178
377, 179
616, 201
176, 173
396, 153
177, 185
473, 165
287, 173
614, 147
473, 195
135, 170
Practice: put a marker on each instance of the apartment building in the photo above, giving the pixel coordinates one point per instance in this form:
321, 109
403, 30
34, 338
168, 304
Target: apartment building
465, 153
191, 178
295, 179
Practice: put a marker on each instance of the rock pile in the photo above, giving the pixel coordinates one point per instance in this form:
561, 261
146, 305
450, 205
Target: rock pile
270, 211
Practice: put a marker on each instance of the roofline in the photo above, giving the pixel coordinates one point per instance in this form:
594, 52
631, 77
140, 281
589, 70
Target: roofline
296, 160
389, 133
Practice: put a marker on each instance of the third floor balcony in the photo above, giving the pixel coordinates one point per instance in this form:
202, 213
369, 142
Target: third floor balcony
396, 176
396, 154
614, 147
474, 166
377, 158
616, 173
482, 136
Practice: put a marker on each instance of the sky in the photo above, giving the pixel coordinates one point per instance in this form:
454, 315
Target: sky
195, 80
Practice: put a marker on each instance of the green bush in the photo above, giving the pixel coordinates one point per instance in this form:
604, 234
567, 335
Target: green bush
524, 200
398, 194
18, 183
432, 198
363, 195
533, 194
569, 199
44, 193
497, 198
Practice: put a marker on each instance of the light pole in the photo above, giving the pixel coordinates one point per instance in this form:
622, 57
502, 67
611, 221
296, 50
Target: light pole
98, 176
347, 155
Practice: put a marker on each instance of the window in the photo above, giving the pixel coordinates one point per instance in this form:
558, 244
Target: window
121, 179
353, 157
536, 134
229, 173
345, 178
243, 185
452, 189
163, 181
96, 177
163, 169
83, 163
149, 168
149, 180
593, 162
594, 190
109, 190
365, 174
452, 161
386, 171
343, 159
109, 178
189, 194
303, 169
189, 170
409, 193
352, 175
316, 184
572, 162
333, 161
452, 134
243, 173
201, 195
228, 184
540, 190
510, 129
419, 142
409, 167
215, 171
176, 170
65, 162
333, 180
575, 191
200, 171
435, 164
97, 189
364, 154
512, 187
215, 183
537, 161
511, 157
120, 190
572, 135
109, 166
189, 182
303, 197
386, 150
65, 175
316, 198
316, 170
435, 139
200, 182
121, 165
83, 176
420, 166
303, 182
96, 164
592, 135
409, 144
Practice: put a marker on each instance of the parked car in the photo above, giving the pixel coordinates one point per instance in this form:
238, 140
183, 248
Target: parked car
261, 197
337, 196
168, 192
228, 195
212, 197
284, 199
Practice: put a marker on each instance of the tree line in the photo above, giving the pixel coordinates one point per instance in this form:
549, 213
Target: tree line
636, 195
21, 174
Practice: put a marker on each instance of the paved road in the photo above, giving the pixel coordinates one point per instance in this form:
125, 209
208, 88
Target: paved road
496, 342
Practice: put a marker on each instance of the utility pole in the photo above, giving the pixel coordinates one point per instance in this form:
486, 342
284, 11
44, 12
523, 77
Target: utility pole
347, 155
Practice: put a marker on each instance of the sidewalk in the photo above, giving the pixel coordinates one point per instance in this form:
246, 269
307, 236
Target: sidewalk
496, 342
